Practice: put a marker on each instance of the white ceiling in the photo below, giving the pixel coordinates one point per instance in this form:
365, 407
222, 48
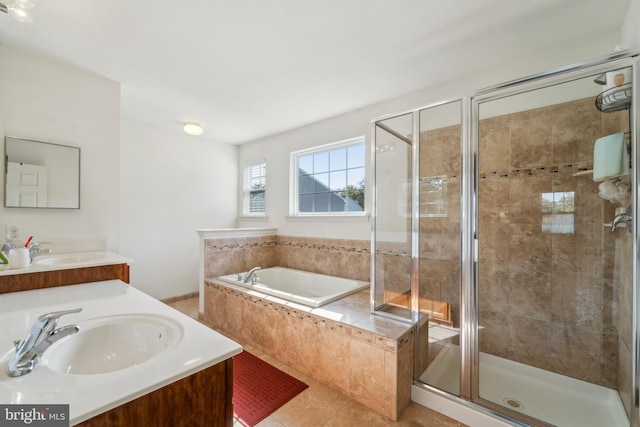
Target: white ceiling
246, 69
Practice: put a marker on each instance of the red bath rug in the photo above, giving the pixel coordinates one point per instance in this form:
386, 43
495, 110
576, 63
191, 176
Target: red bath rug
259, 388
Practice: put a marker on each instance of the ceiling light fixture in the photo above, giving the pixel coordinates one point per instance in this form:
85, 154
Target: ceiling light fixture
193, 128
19, 9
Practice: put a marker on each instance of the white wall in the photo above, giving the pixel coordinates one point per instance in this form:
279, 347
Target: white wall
631, 26
53, 102
143, 190
171, 185
276, 149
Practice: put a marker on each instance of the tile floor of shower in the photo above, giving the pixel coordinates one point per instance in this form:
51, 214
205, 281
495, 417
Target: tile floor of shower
320, 405
583, 404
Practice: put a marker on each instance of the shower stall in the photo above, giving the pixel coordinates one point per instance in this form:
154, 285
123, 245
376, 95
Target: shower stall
504, 229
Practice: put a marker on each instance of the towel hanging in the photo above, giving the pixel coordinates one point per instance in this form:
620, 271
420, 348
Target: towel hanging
610, 157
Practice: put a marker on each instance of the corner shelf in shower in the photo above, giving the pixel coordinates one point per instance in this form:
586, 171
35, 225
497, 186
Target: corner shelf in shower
614, 99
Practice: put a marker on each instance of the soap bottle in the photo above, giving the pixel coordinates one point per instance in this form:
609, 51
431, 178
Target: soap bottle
4, 253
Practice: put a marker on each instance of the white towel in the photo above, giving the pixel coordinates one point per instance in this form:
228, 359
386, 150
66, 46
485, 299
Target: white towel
610, 157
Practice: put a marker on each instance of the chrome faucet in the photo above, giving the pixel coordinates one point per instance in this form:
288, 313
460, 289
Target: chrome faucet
35, 249
251, 275
620, 218
44, 332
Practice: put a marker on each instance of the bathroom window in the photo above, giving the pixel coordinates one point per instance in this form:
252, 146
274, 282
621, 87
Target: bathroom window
330, 179
558, 211
255, 180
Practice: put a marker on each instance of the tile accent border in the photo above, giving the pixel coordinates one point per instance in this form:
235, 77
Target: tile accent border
562, 169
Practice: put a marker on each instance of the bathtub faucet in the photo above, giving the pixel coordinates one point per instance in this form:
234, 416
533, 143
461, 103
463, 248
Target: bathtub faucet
250, 276
35, 249
44, 332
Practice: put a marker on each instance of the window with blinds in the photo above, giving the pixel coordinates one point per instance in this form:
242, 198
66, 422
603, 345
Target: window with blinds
255, 179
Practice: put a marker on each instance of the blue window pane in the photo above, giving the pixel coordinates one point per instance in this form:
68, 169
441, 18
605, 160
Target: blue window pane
322, 182
321, 202
338, 180
355, 156
337, 203
306, 203
321, 162
305, 164
306, 184
338, 159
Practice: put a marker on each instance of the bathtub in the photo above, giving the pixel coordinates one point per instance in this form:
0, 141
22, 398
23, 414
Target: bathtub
303, 287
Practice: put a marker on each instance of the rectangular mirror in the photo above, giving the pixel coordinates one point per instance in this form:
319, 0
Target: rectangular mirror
41, 174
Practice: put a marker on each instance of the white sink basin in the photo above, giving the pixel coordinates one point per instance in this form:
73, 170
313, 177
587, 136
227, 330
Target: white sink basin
67, 259
113, 343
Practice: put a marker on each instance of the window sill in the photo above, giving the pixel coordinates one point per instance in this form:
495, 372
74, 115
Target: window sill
329, 218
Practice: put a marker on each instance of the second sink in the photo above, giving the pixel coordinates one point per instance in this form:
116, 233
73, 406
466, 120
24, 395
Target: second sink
63, 259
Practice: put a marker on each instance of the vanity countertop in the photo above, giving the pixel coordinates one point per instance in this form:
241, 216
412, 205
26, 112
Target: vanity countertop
63, 261
198, 348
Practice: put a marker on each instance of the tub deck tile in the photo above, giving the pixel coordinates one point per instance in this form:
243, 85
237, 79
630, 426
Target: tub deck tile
350, 310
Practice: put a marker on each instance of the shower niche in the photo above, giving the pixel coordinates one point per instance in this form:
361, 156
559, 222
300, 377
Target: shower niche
492, 232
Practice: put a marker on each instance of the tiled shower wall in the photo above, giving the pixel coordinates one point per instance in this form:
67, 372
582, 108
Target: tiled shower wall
335, 257
546, 299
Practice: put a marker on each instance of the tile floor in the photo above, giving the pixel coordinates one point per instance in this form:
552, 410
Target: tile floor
320, 405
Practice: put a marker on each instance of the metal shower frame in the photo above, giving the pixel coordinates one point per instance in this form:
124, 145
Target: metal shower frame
469, 348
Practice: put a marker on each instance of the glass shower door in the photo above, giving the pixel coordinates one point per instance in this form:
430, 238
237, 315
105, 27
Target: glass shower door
554, 279
392, 263
438, 354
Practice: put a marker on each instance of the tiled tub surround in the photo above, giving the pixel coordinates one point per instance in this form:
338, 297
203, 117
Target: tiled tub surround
341, 344
334, 257
555, 301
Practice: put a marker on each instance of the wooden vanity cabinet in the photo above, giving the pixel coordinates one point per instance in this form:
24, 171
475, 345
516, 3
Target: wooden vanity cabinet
202, 399
70, 276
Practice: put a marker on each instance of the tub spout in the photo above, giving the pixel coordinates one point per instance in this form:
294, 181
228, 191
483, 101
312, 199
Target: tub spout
249, 277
